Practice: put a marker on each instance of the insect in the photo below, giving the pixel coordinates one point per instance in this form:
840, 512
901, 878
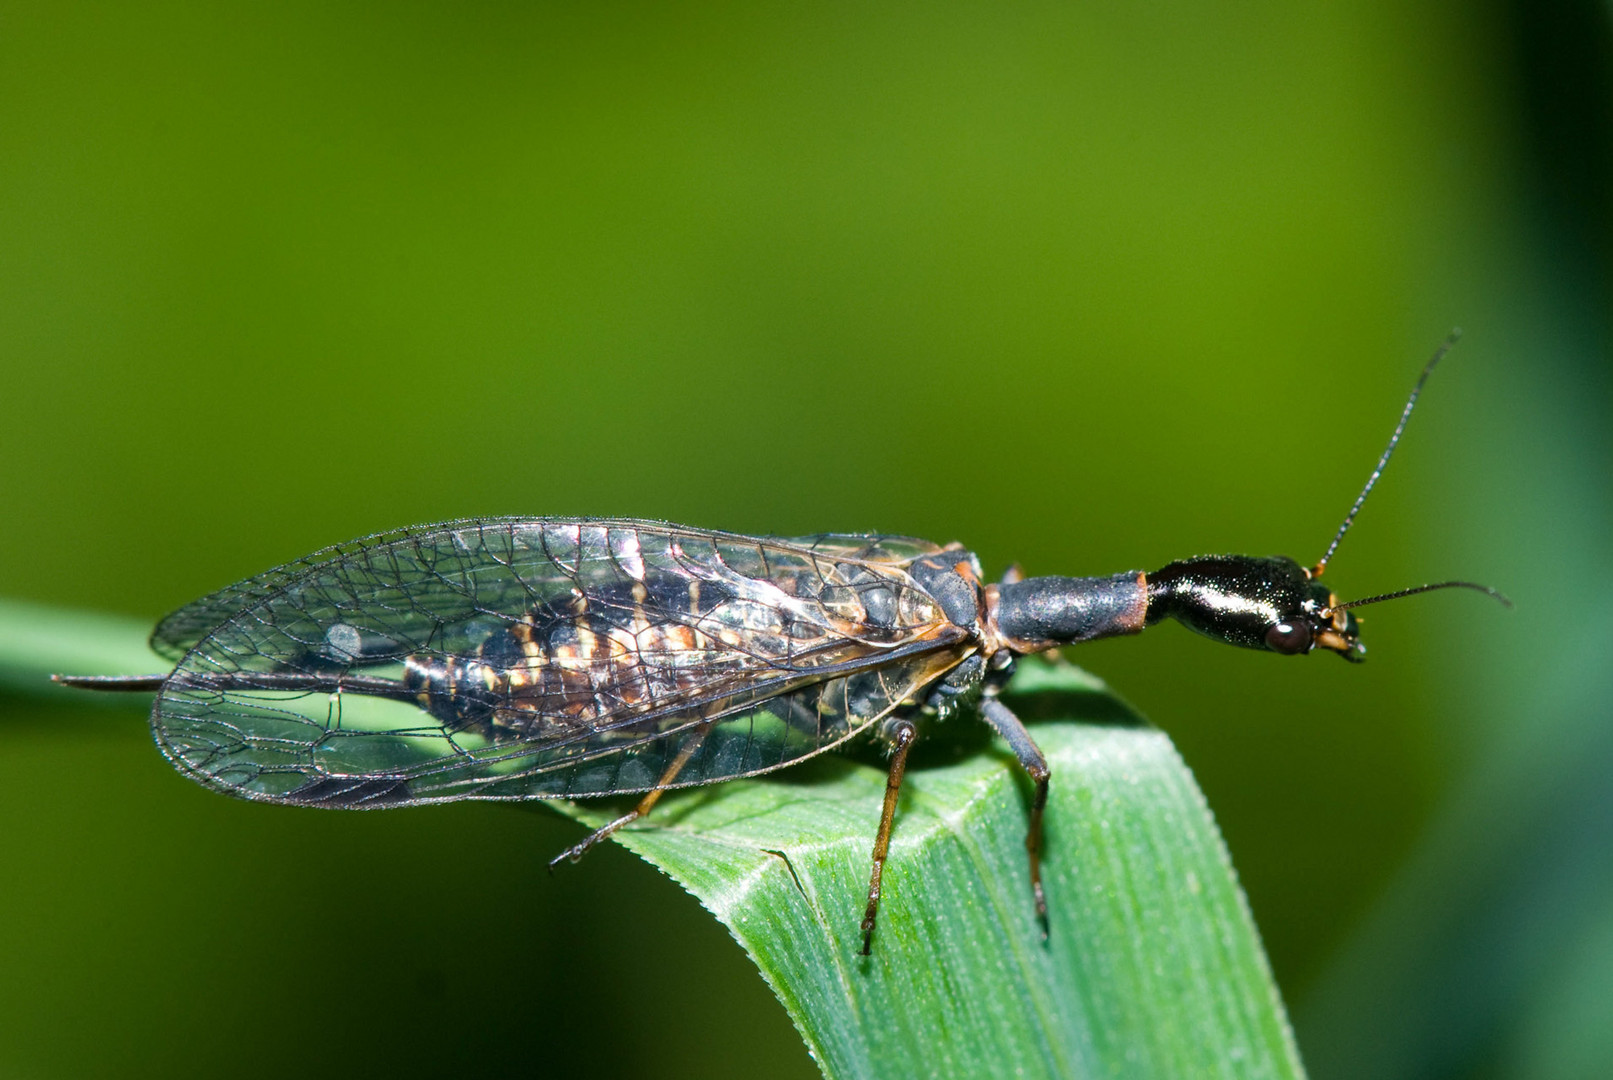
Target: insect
548, 658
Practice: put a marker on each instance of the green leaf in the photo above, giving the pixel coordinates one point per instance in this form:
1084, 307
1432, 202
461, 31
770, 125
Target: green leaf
1153, 966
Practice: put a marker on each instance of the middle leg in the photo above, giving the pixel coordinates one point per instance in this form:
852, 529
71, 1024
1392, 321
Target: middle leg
1012, 729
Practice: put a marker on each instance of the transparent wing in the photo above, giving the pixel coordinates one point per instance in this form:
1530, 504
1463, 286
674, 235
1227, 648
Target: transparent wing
866, 547
359, 751
543, 658
180, 631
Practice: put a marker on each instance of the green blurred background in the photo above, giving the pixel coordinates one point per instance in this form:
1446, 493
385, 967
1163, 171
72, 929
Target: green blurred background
1090, 290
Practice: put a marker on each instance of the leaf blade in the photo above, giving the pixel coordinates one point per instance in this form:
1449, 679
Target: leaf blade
1153, 966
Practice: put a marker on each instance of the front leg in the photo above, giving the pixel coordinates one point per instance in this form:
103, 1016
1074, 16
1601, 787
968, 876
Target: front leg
902, 735
1009, 726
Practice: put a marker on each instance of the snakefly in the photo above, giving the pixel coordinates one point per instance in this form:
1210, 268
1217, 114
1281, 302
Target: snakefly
560, 658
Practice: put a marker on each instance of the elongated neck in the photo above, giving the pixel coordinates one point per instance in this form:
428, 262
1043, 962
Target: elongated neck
1044, 612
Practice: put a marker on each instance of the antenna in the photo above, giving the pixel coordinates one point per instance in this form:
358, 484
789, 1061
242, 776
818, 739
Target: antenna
1414, 590
1349, 519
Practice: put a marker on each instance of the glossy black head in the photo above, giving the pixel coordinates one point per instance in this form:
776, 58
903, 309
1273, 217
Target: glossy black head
1256, 603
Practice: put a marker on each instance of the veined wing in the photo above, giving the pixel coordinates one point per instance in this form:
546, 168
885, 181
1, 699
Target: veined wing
531, 658
865, 547
180, 631
359, 752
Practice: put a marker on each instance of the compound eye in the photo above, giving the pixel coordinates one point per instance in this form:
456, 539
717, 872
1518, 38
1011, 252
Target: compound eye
1289, 638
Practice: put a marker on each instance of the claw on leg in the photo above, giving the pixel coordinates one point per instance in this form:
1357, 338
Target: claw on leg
578, 850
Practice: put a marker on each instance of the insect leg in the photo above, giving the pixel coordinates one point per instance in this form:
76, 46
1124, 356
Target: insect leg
1006, 724
690, 747
903, 736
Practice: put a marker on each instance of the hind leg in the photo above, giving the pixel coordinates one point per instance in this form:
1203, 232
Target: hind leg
691, 746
